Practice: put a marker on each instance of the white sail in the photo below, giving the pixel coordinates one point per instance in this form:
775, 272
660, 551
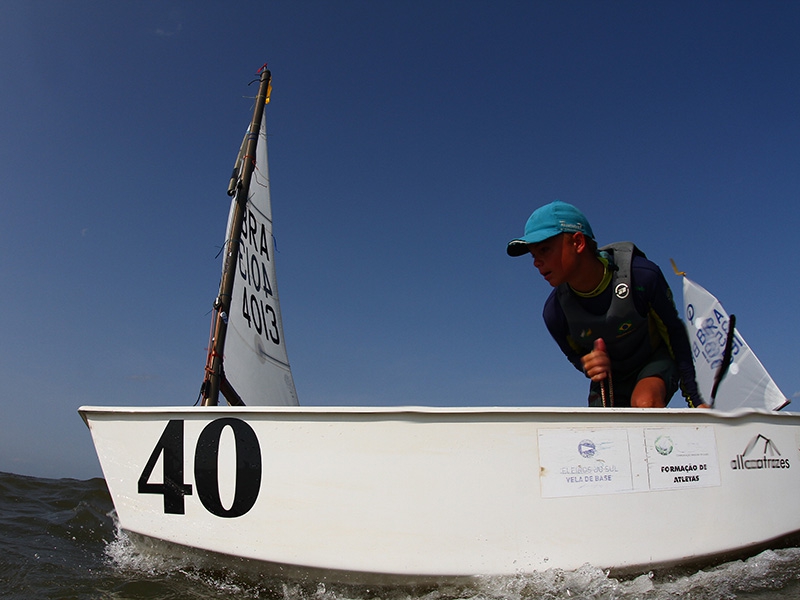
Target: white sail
747, 383
256, 362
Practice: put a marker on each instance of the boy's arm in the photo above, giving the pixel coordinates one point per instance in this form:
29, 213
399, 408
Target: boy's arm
659, 298
556, 323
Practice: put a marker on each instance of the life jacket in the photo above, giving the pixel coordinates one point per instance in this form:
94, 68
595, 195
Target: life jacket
625, 332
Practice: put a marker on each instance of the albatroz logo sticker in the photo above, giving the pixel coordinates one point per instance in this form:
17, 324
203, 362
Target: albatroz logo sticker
760, 453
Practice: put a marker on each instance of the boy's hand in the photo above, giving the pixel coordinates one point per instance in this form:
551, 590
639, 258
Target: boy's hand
597, 364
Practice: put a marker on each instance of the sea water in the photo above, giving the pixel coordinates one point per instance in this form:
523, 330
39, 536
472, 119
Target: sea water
59, 539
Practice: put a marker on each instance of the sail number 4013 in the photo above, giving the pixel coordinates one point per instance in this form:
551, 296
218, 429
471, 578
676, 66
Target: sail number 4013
206, 468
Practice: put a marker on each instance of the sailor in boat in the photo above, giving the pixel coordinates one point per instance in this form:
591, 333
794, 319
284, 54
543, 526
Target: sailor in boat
611, 312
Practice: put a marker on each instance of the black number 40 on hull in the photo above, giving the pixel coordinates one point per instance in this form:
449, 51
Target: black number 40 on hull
206, 468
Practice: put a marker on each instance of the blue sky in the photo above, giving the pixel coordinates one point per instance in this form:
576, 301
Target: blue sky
409, 141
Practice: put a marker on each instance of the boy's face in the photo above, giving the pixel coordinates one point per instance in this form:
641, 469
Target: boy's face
556, 258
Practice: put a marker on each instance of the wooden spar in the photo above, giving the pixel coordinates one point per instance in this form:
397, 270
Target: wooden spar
214, 373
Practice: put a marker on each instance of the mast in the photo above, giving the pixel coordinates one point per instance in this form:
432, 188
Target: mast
215, 378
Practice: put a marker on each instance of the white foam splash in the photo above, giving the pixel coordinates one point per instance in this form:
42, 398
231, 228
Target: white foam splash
763, 575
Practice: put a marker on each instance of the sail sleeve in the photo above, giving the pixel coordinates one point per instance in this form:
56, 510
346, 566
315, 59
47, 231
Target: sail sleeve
747, 383
256, 362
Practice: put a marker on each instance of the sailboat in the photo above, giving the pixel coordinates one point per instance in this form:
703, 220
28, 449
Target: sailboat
415, 494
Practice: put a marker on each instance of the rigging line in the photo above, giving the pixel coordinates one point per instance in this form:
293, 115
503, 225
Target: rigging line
210, 348
227, 243
611, 389
221, 249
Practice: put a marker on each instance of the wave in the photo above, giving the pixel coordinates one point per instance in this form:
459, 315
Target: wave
60, 539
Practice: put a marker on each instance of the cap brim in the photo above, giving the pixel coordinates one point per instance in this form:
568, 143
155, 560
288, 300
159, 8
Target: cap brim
517, 248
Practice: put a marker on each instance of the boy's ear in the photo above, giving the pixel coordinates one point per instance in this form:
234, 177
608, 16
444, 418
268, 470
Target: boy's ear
579, 240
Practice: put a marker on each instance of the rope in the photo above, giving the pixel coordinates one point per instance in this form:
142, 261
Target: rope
607, 397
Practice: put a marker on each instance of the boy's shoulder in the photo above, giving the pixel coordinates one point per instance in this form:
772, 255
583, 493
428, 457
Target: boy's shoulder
647, 276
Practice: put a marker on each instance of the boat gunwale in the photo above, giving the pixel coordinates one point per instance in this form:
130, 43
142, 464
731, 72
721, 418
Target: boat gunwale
591, 412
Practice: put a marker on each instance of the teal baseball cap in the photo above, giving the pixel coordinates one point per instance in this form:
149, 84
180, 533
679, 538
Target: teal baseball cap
547, 221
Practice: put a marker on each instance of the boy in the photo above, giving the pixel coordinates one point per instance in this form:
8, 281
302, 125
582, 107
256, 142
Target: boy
611, 312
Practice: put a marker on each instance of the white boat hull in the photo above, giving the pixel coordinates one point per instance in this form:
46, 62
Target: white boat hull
362, 494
